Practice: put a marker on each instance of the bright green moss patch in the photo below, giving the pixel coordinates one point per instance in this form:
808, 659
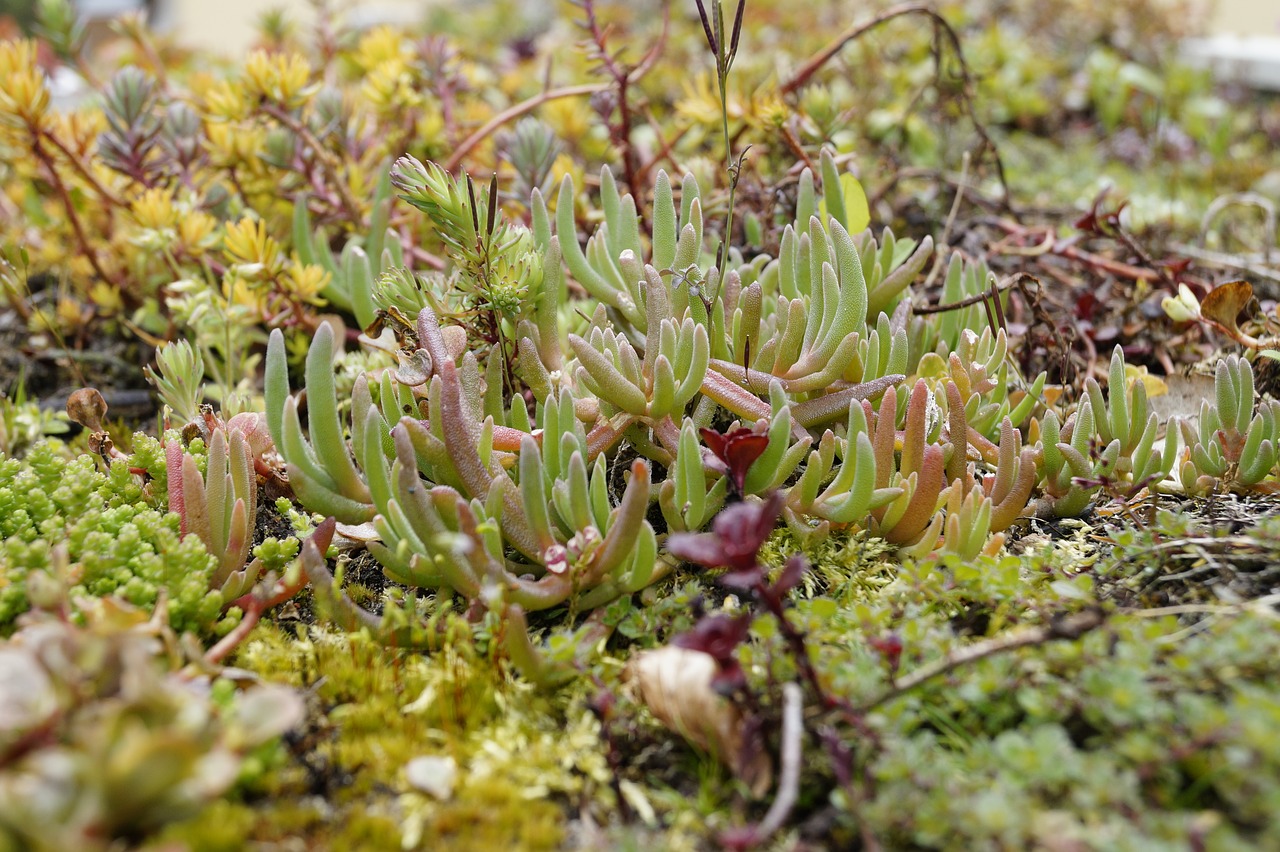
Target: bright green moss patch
111, 530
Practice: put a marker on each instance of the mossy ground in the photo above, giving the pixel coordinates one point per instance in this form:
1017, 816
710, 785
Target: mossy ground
1154, 731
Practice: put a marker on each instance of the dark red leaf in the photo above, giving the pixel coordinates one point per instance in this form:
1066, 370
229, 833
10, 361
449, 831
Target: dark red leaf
737, 451
718, 636
790, 576
700, 548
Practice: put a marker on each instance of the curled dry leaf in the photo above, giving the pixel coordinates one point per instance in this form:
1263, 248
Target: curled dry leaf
414, 369
675, 684
356, 535
87, 407
1223, 306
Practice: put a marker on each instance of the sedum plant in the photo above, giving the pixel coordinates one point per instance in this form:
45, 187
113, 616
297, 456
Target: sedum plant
489, 472
220, 507
178, 378
104, 739
1109, 439
476, 493
116, 543
1127, 428
1235, 442
561, 539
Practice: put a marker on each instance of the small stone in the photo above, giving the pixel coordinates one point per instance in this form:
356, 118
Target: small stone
433, 775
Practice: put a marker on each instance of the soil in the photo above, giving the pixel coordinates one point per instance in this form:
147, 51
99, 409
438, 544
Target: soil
48, 367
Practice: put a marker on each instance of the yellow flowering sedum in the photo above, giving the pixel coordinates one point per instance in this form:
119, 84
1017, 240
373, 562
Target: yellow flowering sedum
283, 79
305, 282
254, 252
24, 97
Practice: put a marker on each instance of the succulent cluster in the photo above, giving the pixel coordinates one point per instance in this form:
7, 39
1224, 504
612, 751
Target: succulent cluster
1235, 441
102, 741
489, 469
117, 543
534, 396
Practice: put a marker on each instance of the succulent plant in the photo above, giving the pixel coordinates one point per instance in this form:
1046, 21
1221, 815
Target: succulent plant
473, 495
559, 537
1067, 472
102, 741
116, 543
505, 498
179, 378
1109, 440
1127, 428
222, 507
1234, 442
968, 532
497, 264
529, 414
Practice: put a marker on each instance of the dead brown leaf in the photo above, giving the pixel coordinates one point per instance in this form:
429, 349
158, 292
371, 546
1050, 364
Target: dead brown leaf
675, 684
1224, 304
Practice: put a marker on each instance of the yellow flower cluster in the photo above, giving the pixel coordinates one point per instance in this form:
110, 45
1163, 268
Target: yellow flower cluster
761, 108
391, 82
282, 79
255, 254
168, 224
258, 265
305, 281
24, 97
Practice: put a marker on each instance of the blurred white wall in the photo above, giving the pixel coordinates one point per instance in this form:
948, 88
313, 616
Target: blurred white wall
1246, 17
1242, 44
229, 26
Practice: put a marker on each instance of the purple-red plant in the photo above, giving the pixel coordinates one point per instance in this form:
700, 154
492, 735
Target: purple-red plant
736, 536
718, 636
735, 452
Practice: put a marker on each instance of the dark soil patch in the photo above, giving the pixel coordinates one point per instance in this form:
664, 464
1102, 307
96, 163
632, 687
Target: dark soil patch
49, 366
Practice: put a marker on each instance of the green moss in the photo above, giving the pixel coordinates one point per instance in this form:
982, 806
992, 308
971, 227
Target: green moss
221, 827
520, 754
116, 541
493, 814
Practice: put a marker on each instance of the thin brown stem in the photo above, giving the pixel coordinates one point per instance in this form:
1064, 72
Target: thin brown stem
822, 57
793, 142
978, 298
1068, 627
514, 112
331, 163
621, 75
80, 166
260, 599
73, 217
1065, 249
665, 148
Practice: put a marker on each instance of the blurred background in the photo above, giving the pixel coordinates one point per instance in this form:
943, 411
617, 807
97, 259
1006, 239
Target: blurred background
228, 26
1238, 39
